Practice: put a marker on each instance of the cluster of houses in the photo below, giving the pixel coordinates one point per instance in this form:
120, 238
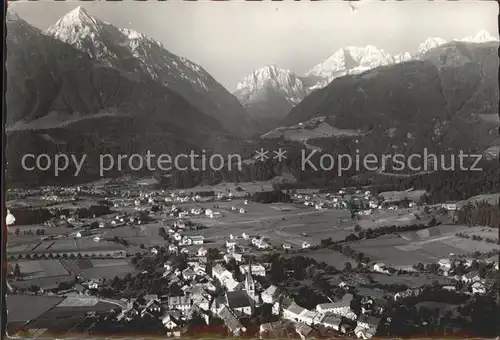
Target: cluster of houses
241, 299
365, 200
202, 295
257, 242
219, 295
471, 279
334, 315
179, 240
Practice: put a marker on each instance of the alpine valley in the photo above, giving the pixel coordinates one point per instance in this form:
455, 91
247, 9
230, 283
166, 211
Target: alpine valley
92, 88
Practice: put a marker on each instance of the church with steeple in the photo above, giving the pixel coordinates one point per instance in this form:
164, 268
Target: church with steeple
250, 286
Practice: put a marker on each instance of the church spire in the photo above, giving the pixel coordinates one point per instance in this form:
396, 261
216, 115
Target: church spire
250, 283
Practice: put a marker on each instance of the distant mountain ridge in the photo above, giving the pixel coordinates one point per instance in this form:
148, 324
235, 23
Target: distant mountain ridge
355, 60
441, 101
270, 93
253, 91
134, 52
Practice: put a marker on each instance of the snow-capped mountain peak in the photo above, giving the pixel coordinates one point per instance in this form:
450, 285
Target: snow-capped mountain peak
402, 57
11, 15
136, 53
480, 37
430, 43
348, 60
74, 21
271, 78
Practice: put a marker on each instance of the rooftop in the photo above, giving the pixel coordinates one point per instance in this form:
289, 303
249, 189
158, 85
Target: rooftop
238, 299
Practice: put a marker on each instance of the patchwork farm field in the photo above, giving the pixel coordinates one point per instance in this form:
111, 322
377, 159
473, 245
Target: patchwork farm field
410, 281
41, 268
425, 246
65, 245
147, 234
279, 223
97, 268
400, 217
16, 305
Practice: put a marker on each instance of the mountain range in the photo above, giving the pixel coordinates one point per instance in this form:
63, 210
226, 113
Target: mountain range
445, 101
134, 52
274, 94
84, 86
63, 99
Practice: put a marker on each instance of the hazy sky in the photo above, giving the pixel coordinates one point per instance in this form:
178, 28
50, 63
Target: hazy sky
230, 39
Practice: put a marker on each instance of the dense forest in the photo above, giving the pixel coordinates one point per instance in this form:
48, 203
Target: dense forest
482, 213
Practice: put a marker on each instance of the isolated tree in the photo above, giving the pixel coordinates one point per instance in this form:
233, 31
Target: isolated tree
17, 270
162, 232
277, 272
353, 208
310, 271
347, 266
17, 231
474, 265
420, 267
212, 254
369, 233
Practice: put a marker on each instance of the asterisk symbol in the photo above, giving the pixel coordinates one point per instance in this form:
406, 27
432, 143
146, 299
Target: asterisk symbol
261, 155
280, 154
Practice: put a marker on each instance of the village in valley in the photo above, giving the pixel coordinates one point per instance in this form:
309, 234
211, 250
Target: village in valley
232, 259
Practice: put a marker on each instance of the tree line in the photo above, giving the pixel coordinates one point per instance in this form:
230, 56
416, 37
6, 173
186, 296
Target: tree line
481, 213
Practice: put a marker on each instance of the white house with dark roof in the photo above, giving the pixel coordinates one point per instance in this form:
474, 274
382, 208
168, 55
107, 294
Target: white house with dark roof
237, 257
197, 239
478, 288
182, 303
331, 320
303, 330
231, 322
202, 251
218, 303
221, 273
277, 329
342, 307
153, 308
256, 269
188, 274
444, 264
271, 294
200, 297
172, 319
293, 311
366, 326
471, 277
308, 317
232, 285
186, 241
